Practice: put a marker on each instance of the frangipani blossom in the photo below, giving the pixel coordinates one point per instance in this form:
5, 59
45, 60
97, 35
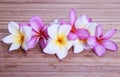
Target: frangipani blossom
58, 42
39, 32
101, 42
82, 28
19, 36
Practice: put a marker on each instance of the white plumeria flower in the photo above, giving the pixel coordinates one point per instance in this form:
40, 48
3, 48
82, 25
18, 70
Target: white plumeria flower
18, 37
58, 43
82, 22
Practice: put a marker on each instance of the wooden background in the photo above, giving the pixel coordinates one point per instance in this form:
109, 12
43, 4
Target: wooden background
37, 64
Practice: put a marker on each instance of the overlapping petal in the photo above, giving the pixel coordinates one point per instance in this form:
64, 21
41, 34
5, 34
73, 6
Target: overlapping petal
81, 22
82, 33
52, 30
91, 27
36, 23
78, 46
92, 41
64, 30
72, 36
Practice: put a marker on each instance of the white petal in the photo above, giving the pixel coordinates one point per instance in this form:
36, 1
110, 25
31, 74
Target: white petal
9, 39
14, 46
91, 27
13, 28
64, 30
25, 45
78, 46
27, 32
81, 22
51, 47
52, 30
62, 53
68, 45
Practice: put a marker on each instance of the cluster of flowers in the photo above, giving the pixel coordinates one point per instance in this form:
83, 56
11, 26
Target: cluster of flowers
59, 36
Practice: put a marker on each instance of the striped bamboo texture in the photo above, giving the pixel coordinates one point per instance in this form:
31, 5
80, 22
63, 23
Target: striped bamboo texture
35, 63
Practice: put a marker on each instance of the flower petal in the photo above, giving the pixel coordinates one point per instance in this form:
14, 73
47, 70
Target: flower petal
25, 45
72, 16
91, 41
78, 46
52, 30
44, 31
109, 34
68, 45
99, 31
64, 30
14, 46
81, 22
82, 33
36, 23
72, 36
99, 50
32, 42
26, 31
91, 27
13, 28
9, 39
49, 48
62, 53
110, 45
89, 20
43, 42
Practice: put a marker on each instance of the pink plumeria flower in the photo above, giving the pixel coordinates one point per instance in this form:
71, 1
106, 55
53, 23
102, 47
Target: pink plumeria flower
101, 42
19, 36
82, 28
58, 42
39, 32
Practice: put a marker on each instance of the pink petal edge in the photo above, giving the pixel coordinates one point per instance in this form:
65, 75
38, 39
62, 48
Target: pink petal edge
99, 31
32, 42
36, 23
82, 33
72, 16
110, 45
72, 36
99, 50
109, 34
91, 41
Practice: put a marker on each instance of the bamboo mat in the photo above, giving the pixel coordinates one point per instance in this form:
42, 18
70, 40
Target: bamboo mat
37, 64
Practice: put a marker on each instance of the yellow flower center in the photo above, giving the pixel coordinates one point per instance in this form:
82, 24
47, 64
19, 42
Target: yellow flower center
20, 38
61, 41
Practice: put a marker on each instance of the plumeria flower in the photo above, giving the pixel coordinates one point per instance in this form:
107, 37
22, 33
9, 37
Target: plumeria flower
82, 28
19, 36
39, 32
58, 42
101, 42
